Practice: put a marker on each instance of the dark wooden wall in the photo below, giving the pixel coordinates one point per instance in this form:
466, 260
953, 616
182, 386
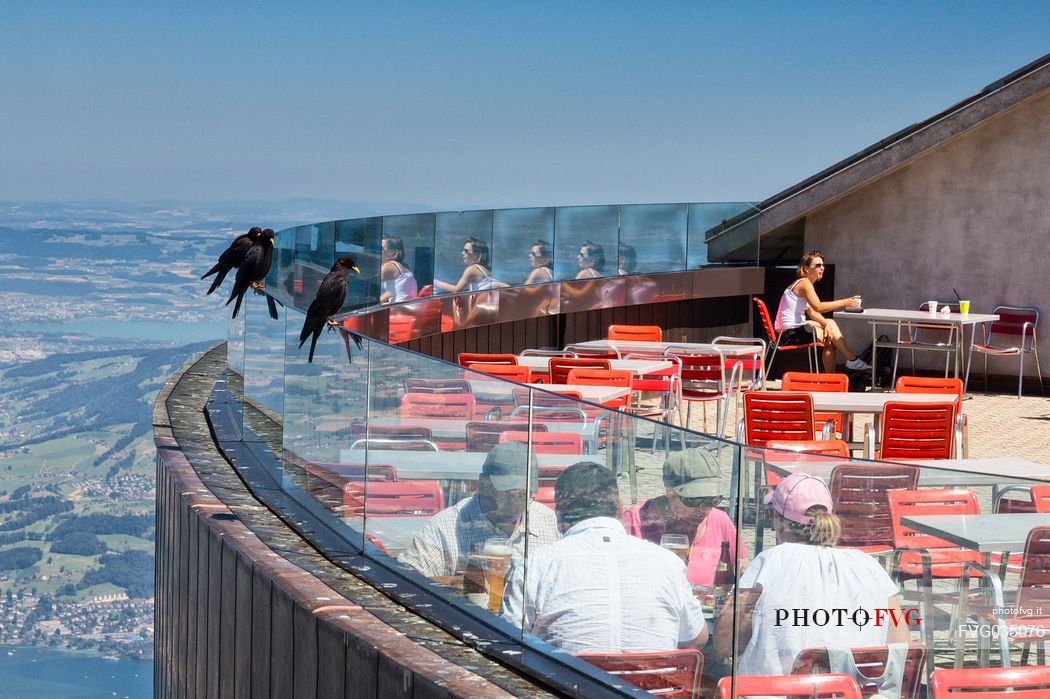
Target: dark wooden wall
687, 321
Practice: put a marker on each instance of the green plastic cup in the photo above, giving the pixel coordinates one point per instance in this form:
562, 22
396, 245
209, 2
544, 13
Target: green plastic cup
964, 307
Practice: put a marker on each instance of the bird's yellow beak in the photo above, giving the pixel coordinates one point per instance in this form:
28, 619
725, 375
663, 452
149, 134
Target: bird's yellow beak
356, 269
270, 240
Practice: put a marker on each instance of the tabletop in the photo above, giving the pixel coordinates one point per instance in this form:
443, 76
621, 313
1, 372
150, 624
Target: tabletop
1002, 532
445, 428
395, 533
638, 367
893, 315
870, 402
439, 465
627, 346
937, 473
504, 389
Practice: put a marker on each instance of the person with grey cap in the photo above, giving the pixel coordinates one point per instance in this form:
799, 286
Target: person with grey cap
693, 481
497, 509
599, 589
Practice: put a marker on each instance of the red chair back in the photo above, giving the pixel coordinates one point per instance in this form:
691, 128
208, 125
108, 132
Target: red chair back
325, 481
673, 673
483, 436
604, 377
547, 442
790, 686
871, 662
860, 494
561, 366
924, 384
437, 386
1041, 498
469, 358
777, 415
400, 498
767, 321
639, 333
511, 372
927, 501
1034, 590
991, 683
1011, 322
918, 431
804, 381
457, 406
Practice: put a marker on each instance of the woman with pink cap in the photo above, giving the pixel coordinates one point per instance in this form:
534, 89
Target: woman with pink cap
813, 594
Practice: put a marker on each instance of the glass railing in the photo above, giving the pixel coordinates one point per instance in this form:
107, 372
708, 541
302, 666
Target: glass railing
504, 247
583, 534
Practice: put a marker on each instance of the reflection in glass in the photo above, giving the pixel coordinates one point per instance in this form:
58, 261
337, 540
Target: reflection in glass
513, 234
359, 238
595, 227
452, 229
652, 238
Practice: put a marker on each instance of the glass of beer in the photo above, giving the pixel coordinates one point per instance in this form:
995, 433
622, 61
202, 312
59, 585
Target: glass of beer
497, 553
677, 544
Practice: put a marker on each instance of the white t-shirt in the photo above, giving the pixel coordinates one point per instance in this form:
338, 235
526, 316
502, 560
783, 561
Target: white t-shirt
812, 579
601, 589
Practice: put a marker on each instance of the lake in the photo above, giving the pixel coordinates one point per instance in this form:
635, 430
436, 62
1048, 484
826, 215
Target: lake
29, 673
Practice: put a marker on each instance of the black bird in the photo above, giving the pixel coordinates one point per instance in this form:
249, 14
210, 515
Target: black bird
253, 269
232, 256
327, 302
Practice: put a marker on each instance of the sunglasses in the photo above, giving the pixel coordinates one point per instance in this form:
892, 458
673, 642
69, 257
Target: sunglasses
701, 501
819, 264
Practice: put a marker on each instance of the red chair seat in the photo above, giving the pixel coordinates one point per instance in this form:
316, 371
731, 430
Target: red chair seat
944, 563
992, 349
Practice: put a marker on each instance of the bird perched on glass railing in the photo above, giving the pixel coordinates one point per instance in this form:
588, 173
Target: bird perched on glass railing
327, 302
252, 270
232, 257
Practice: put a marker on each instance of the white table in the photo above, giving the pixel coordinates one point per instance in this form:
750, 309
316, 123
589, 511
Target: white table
933, 473
901, 318
489, 390
870, 402
638, 367
438, 465
622, 347
984, 533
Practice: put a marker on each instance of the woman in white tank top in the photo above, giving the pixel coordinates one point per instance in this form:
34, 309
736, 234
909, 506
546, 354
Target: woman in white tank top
397, 281
476, 275
800, 315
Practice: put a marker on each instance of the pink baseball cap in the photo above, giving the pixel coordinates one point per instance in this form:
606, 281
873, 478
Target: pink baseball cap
796, 494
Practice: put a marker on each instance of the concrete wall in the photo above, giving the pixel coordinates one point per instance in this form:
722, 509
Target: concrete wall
973, 213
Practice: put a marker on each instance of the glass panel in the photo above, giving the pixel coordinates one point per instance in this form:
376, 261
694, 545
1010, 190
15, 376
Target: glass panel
264, 357
704, 222
281, 281
323, 400
652, 238
359, 238
580, 225
452, 231
516, 233
235, 367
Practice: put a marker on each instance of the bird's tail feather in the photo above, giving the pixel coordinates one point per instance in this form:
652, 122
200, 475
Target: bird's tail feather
211, 271
217, 282
313, 345
236, 306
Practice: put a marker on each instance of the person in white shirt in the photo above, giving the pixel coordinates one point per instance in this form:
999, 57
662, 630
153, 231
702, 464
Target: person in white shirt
805, 583
441, 549
600, 589
801, 315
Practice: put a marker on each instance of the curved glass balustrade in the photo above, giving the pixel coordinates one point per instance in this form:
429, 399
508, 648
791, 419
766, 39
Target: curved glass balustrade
515, 247
390, 447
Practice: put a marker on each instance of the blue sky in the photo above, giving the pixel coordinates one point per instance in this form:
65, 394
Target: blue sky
488, 104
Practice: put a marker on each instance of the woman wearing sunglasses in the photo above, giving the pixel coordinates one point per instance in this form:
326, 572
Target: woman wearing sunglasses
693, 481
800, 315
476, 273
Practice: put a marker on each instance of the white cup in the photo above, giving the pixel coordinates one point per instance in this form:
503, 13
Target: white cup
860, 302
931, 306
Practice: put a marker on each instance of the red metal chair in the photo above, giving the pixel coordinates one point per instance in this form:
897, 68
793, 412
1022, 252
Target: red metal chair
399, 498
861, 496
917, 431
638, 333
1016, 327
470, 358
401, 328
789, 686
559, 367
753, 363
774, 340
325, 481
923, 384
1041, 498
924, 557
1030, 621
673, 674
511, 372
483, 436
991, 683
871, 662
547, 442
450, 406
779, 415
827, 383
704, 379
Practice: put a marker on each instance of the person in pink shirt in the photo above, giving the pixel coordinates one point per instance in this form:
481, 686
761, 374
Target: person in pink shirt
693, 480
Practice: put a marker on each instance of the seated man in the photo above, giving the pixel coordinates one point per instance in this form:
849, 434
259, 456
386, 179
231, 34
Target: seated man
441, 549
599, 588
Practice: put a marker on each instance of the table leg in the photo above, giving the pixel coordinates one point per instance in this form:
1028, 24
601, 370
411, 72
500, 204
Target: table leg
874, 351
